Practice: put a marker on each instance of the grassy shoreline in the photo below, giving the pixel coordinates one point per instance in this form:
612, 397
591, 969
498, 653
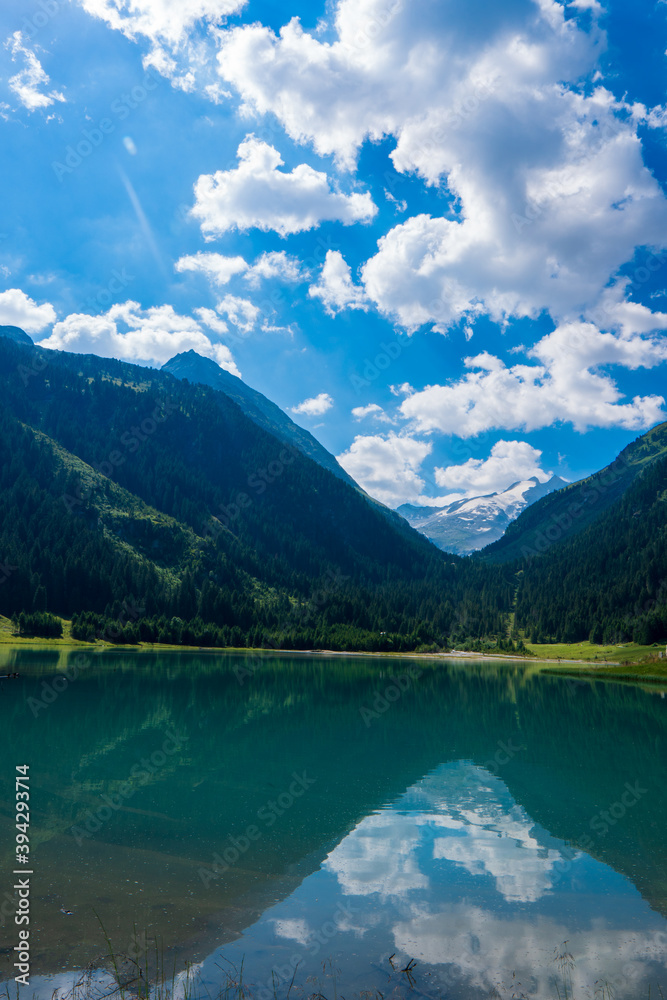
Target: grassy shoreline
626, 661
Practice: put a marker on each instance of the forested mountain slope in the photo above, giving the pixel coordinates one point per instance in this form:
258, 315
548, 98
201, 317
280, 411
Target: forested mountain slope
15, 333
571, 510
127, 495
262, 411
609, 580
189, 510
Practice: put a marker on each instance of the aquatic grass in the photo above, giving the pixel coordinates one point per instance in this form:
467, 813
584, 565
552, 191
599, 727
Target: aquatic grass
565, 962
148, 977
112, 954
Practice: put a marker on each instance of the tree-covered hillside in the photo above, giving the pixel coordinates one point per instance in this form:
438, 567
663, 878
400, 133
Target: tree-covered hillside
571, 510
609, 581
123, 485
262, 411
144, 507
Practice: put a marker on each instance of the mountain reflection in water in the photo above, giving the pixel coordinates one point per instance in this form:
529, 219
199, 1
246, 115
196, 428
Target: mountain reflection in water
460, 827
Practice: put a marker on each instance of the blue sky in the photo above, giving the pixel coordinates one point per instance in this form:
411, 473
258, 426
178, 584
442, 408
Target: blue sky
433, 231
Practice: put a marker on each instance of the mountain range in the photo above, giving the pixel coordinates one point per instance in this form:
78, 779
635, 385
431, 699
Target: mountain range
461, 527
126, 485
145, 505
470, 524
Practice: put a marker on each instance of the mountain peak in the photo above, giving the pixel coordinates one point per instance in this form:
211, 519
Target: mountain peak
16, 333
194, 362
467, 525
191, 354
589, 498
261, 410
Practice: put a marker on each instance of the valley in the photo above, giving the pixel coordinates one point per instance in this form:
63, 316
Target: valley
216, 532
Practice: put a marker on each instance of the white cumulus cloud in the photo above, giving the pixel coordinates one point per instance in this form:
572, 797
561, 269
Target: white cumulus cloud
130, 333
378, 858
386, 63
316, 406
215, 266
294, 929
520, 948
168, 21
508, 462
372, 410
566, 384
210, 318
276, 264
530, 236
593, 5
181, 36
18, 309
241, 312
257, 194
550, 192
387, 467
220, 269
335, 287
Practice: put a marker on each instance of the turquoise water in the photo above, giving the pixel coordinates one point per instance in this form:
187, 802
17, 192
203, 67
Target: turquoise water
358, 824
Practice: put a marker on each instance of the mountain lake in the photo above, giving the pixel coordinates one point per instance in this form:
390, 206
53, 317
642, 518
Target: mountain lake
266, 825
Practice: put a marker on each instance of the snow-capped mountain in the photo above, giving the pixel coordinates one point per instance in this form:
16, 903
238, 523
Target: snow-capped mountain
468, 525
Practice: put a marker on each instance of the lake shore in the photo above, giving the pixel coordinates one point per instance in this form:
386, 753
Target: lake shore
627, 662
627, 667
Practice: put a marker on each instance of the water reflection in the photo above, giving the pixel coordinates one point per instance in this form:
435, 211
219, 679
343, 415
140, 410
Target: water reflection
457, 828
470, 819
456, 877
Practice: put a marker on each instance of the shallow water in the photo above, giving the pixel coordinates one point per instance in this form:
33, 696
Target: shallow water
341, 817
